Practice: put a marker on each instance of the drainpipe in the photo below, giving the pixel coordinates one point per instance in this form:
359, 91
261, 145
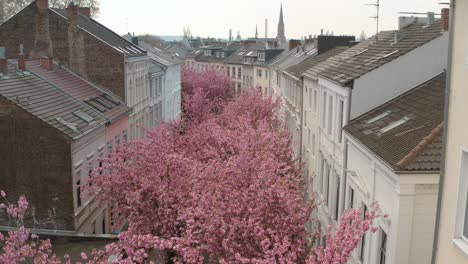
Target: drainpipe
435, 244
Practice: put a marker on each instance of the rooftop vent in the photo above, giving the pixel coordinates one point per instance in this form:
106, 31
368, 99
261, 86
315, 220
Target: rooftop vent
71, 126
394, 125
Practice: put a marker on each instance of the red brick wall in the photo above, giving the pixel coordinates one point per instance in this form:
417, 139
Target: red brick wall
35, 160
76, 49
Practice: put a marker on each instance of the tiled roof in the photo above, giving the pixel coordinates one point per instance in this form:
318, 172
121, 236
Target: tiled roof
406, 132
105, 34
382, 52
298, 69
238, 56
293, 57
48, 103
83, 90
159, 55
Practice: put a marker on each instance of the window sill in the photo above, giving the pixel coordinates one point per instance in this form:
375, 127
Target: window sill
461, 245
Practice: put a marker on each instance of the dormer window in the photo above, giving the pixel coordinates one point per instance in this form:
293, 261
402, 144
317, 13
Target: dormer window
261, 56
207, 53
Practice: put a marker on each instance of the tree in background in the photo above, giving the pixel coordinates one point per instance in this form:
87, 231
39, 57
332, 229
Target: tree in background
11, 7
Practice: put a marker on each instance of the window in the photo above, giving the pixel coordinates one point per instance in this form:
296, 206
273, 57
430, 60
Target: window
330, 115
322, 174
363, 240
125, 135
261, 56
337, 193
309, 137
326, 182
266, 74
461, 224
315, 101
351, 198
313, 145
239, 73
228, 71
78, 192
382, 247
233, 72
324, 109
207, 53
259, 73
340, 121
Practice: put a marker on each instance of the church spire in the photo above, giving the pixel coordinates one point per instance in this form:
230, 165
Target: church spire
256, 31
280, 37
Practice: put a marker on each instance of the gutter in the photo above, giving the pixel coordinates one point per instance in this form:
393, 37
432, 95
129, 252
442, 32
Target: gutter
448, 88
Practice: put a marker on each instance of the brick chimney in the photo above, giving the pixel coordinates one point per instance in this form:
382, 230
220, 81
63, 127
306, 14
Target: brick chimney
42, 4
445, 18
85, 11
3, 62
47, 63
294, 43
21, 59
72, 11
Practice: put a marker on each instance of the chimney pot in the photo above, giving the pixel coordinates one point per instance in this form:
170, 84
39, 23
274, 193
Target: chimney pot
72, 11
445, 18
47, 63
3, 62
21, 59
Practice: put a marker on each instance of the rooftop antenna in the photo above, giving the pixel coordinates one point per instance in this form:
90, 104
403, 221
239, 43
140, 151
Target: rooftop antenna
376, 17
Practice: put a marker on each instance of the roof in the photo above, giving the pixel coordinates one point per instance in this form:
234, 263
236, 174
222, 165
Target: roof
90, 94
406, 132
215, 56
155, 67
293, 57
105, 34
238, 56
382, 51
49, 103
298, 69
159, 55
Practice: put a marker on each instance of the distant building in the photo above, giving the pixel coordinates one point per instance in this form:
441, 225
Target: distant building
281, 37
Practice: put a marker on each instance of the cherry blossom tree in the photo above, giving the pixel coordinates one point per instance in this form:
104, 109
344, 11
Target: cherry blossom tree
220, 186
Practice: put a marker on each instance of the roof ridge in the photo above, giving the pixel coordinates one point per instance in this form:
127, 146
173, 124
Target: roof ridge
422, 145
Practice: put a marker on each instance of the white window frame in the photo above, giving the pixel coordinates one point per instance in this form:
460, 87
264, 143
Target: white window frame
459, 240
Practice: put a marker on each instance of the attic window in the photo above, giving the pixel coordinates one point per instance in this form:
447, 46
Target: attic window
208, 53
71, 126
395, 124
261, 56
84, 116
250, 53
377, 118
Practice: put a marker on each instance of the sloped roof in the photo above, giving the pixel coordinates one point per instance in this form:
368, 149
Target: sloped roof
105, 34
415, 141
161, 56
293, 57
48, 103
238, 56
81, 89
381, 52
298, 69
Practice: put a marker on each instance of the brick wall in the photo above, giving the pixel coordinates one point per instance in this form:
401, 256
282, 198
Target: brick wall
35, 160
98, 62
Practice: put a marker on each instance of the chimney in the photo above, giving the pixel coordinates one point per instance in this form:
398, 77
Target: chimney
47, 63
21, 59
3, 62
42, 4
294, 43
430, 18
85, 11
396, 36
445, 18
72, 11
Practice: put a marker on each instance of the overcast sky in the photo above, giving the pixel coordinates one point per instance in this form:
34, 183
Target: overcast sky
214, 18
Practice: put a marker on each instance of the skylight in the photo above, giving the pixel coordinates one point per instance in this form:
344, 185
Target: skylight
250, 53
68, 124
83, 116
395, 124
378, 117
